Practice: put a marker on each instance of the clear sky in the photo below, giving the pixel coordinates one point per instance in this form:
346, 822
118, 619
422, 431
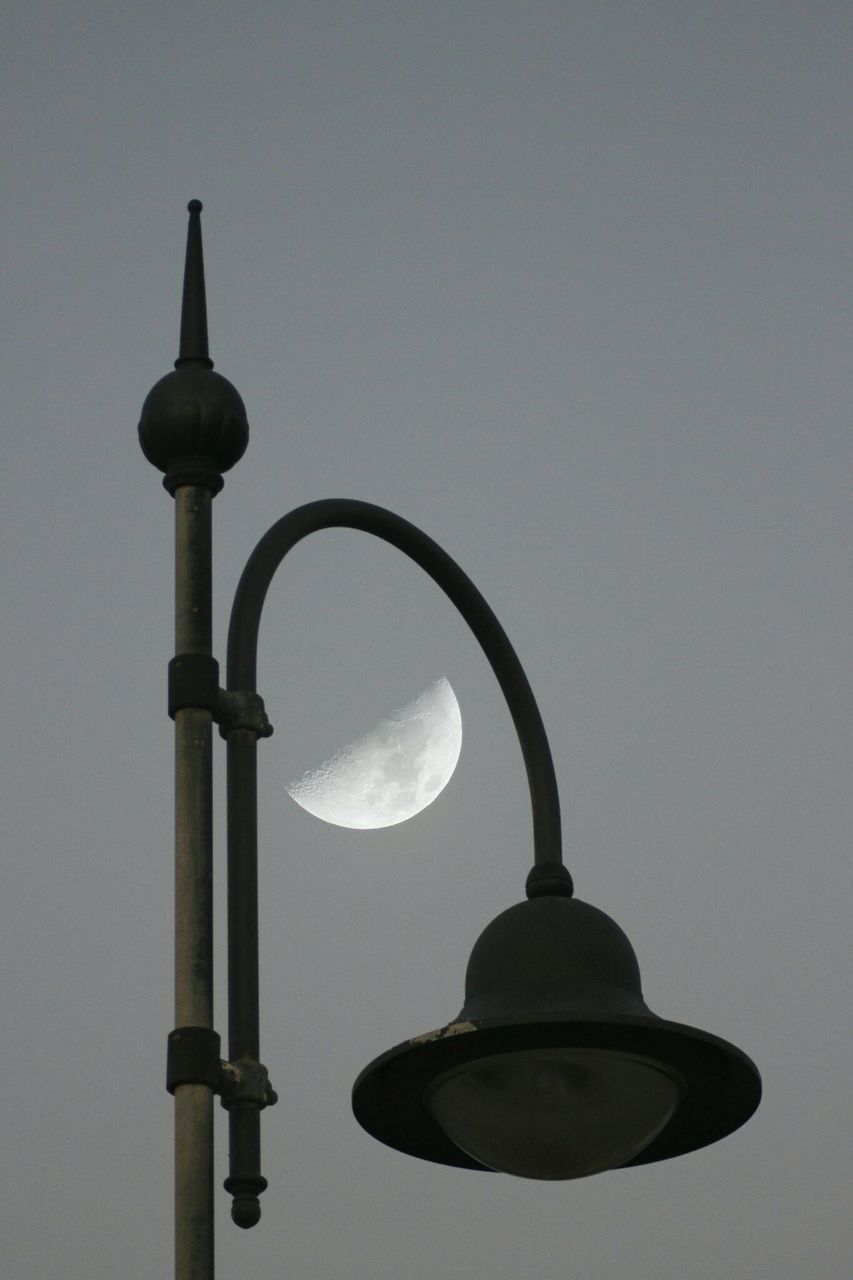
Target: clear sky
568, 285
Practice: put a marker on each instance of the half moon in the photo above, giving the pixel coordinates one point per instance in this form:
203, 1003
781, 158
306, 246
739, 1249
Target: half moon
391, 773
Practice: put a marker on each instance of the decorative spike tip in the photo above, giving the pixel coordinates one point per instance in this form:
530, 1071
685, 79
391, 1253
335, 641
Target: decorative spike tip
194, 349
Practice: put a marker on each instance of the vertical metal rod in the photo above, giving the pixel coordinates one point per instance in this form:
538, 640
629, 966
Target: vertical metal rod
243, 1032
193, 889
245, 1181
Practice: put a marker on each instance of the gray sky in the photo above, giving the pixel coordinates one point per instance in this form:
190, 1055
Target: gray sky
566, 284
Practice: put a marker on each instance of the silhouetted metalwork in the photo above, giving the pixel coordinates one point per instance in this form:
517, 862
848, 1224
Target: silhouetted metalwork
548, 875
555, 1067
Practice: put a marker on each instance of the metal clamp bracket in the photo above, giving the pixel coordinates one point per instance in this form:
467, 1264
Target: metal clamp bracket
246, 1081
238, 709
193, 1058
194, 682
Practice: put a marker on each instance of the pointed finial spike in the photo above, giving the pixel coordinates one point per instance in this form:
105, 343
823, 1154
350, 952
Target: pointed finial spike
193, 425
193, 348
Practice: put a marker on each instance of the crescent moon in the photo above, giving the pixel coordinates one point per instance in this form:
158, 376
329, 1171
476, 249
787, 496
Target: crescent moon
391, 773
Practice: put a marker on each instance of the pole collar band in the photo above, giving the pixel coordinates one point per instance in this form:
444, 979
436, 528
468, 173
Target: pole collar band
193, 682
193, 1058
198, 471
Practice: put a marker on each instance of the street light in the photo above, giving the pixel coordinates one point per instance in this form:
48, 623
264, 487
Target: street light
555, 1068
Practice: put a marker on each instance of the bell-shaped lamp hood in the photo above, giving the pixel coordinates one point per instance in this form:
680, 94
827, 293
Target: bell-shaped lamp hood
555, 1067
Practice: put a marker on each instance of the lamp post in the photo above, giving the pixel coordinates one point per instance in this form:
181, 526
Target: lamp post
555, 1068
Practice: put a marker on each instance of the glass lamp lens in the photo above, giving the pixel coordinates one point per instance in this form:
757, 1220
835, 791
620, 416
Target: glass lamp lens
555, 1113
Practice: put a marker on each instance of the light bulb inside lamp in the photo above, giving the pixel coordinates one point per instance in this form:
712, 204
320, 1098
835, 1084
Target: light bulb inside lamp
555, 1113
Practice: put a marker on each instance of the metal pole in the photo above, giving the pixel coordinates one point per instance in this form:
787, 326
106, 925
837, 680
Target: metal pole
193, 428
193, 889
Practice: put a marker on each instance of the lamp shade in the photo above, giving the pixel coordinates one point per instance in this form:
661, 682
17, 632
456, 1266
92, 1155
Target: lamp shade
555, 1067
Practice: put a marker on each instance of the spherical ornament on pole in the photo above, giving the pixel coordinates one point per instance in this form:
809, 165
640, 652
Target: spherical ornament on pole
193, 425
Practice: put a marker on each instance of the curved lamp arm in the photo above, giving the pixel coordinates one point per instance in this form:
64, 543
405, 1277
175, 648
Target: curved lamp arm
548, 875
350, 514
